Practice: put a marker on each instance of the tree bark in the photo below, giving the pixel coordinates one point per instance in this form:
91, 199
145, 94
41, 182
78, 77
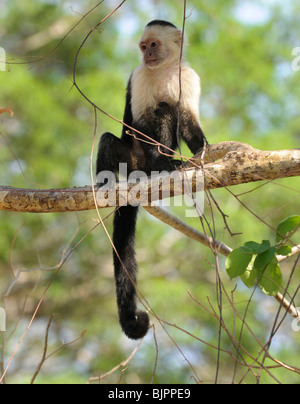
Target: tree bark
223, 165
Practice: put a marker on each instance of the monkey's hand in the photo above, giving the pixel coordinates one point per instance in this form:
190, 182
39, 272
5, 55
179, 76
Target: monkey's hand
177, 164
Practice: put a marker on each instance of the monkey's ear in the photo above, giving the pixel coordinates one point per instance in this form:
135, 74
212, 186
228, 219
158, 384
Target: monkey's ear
178, 37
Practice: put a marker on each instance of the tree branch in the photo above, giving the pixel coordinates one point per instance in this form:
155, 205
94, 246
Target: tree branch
233, 163
224, 164
187, 230
3, 110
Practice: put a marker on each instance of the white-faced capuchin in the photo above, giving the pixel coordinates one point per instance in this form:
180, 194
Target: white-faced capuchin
153, 108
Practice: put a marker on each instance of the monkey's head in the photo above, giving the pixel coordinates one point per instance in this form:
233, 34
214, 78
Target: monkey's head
160, 44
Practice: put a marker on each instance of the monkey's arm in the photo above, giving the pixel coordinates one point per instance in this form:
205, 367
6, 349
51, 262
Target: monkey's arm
128, 119
192, 132
190, 127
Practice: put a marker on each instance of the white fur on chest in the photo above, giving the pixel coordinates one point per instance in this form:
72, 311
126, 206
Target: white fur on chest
150, 87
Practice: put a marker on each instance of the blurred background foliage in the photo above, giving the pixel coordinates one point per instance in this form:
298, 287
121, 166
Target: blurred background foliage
243, 52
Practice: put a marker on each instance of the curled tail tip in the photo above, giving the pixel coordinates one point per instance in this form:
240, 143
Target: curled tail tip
137, 328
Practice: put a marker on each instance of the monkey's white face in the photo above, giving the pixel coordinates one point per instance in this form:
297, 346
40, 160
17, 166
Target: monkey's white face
152, 52
160, 46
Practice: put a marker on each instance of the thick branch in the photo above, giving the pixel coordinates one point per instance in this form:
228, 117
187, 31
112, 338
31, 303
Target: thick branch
233, 163
46, 201
236, 163
187, 230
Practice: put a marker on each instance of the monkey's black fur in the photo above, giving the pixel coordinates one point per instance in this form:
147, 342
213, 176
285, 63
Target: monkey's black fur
161, 23
159, 123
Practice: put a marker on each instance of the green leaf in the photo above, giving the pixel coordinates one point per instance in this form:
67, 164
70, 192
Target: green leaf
286, 227
284, 250
264, 258
249, 276
251, 247
271, 279
237, 262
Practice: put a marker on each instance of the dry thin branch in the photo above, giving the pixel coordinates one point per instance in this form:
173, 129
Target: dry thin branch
240, 163
44, 352
45, 356
116, 368
2, 110
57, 269
189, 231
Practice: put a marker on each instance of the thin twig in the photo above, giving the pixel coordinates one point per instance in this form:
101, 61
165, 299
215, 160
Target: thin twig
45, 350
116, 368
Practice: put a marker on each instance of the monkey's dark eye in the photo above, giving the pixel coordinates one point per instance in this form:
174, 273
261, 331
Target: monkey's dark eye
144, 47
153, 45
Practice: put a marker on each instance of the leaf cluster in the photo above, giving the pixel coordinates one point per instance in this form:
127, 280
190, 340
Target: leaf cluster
258, 262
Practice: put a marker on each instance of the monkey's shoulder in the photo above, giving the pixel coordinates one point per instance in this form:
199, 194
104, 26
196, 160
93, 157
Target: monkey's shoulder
150, 87
145, 76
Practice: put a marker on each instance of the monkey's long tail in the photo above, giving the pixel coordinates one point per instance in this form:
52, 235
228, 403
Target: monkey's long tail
135, 323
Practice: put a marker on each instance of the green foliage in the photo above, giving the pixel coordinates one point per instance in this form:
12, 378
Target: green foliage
255, 262
287, 228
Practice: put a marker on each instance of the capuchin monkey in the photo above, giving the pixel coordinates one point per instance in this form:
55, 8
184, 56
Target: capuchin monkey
152, 108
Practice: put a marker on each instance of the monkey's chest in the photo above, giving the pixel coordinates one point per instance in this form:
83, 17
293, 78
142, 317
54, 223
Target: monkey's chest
147, 94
